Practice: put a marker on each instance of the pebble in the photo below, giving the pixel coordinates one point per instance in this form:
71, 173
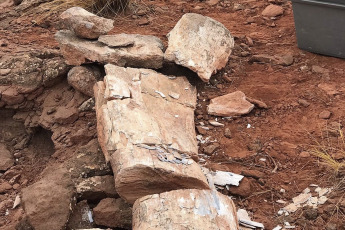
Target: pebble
227, 133
304, 154
209, 150
325, 114
216, 123
303, 102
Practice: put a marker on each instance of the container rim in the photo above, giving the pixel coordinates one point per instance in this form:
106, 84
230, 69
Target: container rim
324, 3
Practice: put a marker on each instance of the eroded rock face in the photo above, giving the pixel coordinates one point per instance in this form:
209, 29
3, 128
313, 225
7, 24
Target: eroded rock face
114, 213
146, 133
185, 209
85, 24
83, 78
232, 104
147, 51
22, 74
97, 188
199, 43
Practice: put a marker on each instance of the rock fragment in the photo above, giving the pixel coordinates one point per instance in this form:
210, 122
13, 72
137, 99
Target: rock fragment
147, 51
185, 209
96, 188
6, 158
114, 213
85, 24
213, 39
233, 104
83, 78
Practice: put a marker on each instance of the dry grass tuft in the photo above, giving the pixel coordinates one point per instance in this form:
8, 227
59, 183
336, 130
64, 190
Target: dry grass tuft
331, 150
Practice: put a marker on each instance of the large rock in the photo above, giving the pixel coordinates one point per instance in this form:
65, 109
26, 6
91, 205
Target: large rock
47, 202
199, 43
185, 209
147, 51
6, 158
83, 78
272, 11
114, 213
146, 131
85, 24
229, 105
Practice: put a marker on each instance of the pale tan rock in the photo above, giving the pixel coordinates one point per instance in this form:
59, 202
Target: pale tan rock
272, 11
199, 43
185, 209
232, 104
85, 24
147, 51
96, 188
144, 135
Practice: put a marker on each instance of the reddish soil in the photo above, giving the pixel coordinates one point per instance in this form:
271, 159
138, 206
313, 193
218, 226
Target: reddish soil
277, 135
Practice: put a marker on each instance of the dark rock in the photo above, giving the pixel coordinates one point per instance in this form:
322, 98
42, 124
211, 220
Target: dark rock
209, 150
253, 173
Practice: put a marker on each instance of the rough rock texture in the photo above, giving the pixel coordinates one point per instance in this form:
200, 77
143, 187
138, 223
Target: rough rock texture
6, 158
147, 51
97, 188
232, 104
272, 11
199, 43
114, 213
85, 24
146, 134
83, 78
22, 74
185, 209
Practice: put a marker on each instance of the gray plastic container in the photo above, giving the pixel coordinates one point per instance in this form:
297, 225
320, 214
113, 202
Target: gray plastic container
320, 26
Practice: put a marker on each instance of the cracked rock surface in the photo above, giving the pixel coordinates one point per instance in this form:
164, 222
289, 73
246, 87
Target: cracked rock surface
147, 135
213, 41
185, 209
146, 52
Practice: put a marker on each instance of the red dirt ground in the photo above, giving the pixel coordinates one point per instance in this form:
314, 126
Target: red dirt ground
278, 134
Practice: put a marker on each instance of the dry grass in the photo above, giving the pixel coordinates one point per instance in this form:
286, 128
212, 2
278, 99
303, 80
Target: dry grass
331, 149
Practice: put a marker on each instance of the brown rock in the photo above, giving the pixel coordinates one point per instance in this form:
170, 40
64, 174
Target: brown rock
85, 24
272, 11
253, 173
304, 154
4, 186
147, 51
11, 96
97, 188
284, 60
243, 190
49, 199
330, 89
258, 103
185, 209
117, 40
209, 150
6, 158
232, 104
303, 102
201, 130
140, 141
83, 78
325, 114
114, 213
227, 133
195, 30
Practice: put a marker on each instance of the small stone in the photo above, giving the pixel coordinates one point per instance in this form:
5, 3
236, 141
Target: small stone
325, 114
227, 133
301, 198
331, 226
253, 173
209, 150
212, 2
319, 69
118, 40
272, 11
290, 208
304, 154
303, 102
4, 72
5, 186
322, 200
87, 105
201, 130
216, 123
238, 6
143, 22
233, 104
311, 214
